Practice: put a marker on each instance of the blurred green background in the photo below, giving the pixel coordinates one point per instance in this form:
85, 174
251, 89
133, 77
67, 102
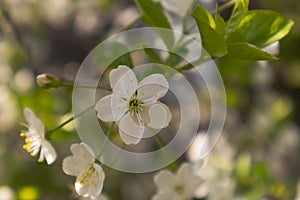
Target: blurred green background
54, 36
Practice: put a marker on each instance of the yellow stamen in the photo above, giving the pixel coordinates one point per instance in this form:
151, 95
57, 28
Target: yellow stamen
23, 134
33, 154
27, 140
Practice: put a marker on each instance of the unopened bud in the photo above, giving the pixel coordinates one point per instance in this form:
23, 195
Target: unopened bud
46, 81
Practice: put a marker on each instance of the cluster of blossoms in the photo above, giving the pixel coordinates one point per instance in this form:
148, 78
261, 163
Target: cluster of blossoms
134, 106
90, 176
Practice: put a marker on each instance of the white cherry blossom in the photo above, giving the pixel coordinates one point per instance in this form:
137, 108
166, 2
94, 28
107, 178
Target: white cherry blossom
179, 186
90, 176
134, 105
35, 139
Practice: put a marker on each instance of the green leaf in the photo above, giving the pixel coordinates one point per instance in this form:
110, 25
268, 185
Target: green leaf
239, 11
261, 28
212, 41
246, 51
153, 57
107, 50
220, 23
153, 15
202, 14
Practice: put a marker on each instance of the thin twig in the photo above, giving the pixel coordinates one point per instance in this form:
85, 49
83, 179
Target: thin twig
15, 31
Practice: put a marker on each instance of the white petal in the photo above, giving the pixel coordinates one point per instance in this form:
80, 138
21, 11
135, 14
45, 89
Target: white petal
186, 177
165, 181
111, 108
73, 166
96, 191
123, 81
83, 151
160, 116
49, 152
130, 132
35, 125
185, 171
145, 115
90, 182
116, 74
152, 88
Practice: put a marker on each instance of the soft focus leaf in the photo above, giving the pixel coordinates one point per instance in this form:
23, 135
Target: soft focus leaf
243, 166
202, 14
212, 41
220, 23
105, 52
153, 15
246, 51
239, 11
261, 28
152, 55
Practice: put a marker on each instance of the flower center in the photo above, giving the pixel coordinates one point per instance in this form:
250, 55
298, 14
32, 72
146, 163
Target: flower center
30, 143
179, 189
87, 178
135, 104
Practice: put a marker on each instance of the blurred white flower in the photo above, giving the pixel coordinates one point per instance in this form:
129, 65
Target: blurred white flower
35, 139
179, 186
215, 170
90, 176
59, 13
87, 21
134, 105
5, 72
23, 80
8, 109
6, 193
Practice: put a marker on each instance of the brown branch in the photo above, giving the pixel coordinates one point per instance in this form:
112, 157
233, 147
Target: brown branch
16, 31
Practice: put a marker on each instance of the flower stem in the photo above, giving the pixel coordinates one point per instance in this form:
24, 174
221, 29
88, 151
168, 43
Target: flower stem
130, 24
107, 137
226, 5
159, 141
204, 58
49, 132
160, 144
116, 159
84, 86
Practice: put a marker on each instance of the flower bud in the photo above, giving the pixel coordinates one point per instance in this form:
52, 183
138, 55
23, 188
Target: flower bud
46, 81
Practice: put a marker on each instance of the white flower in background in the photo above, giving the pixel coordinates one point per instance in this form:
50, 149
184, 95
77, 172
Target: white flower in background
134, 105
23, 80
35, 139
5, 70
215, 170
6, 193
90, 176
179, 186
8, 109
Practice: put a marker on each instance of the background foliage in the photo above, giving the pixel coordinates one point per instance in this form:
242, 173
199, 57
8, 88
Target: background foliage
54, 36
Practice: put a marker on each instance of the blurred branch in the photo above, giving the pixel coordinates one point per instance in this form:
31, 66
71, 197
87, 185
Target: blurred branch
15, 31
